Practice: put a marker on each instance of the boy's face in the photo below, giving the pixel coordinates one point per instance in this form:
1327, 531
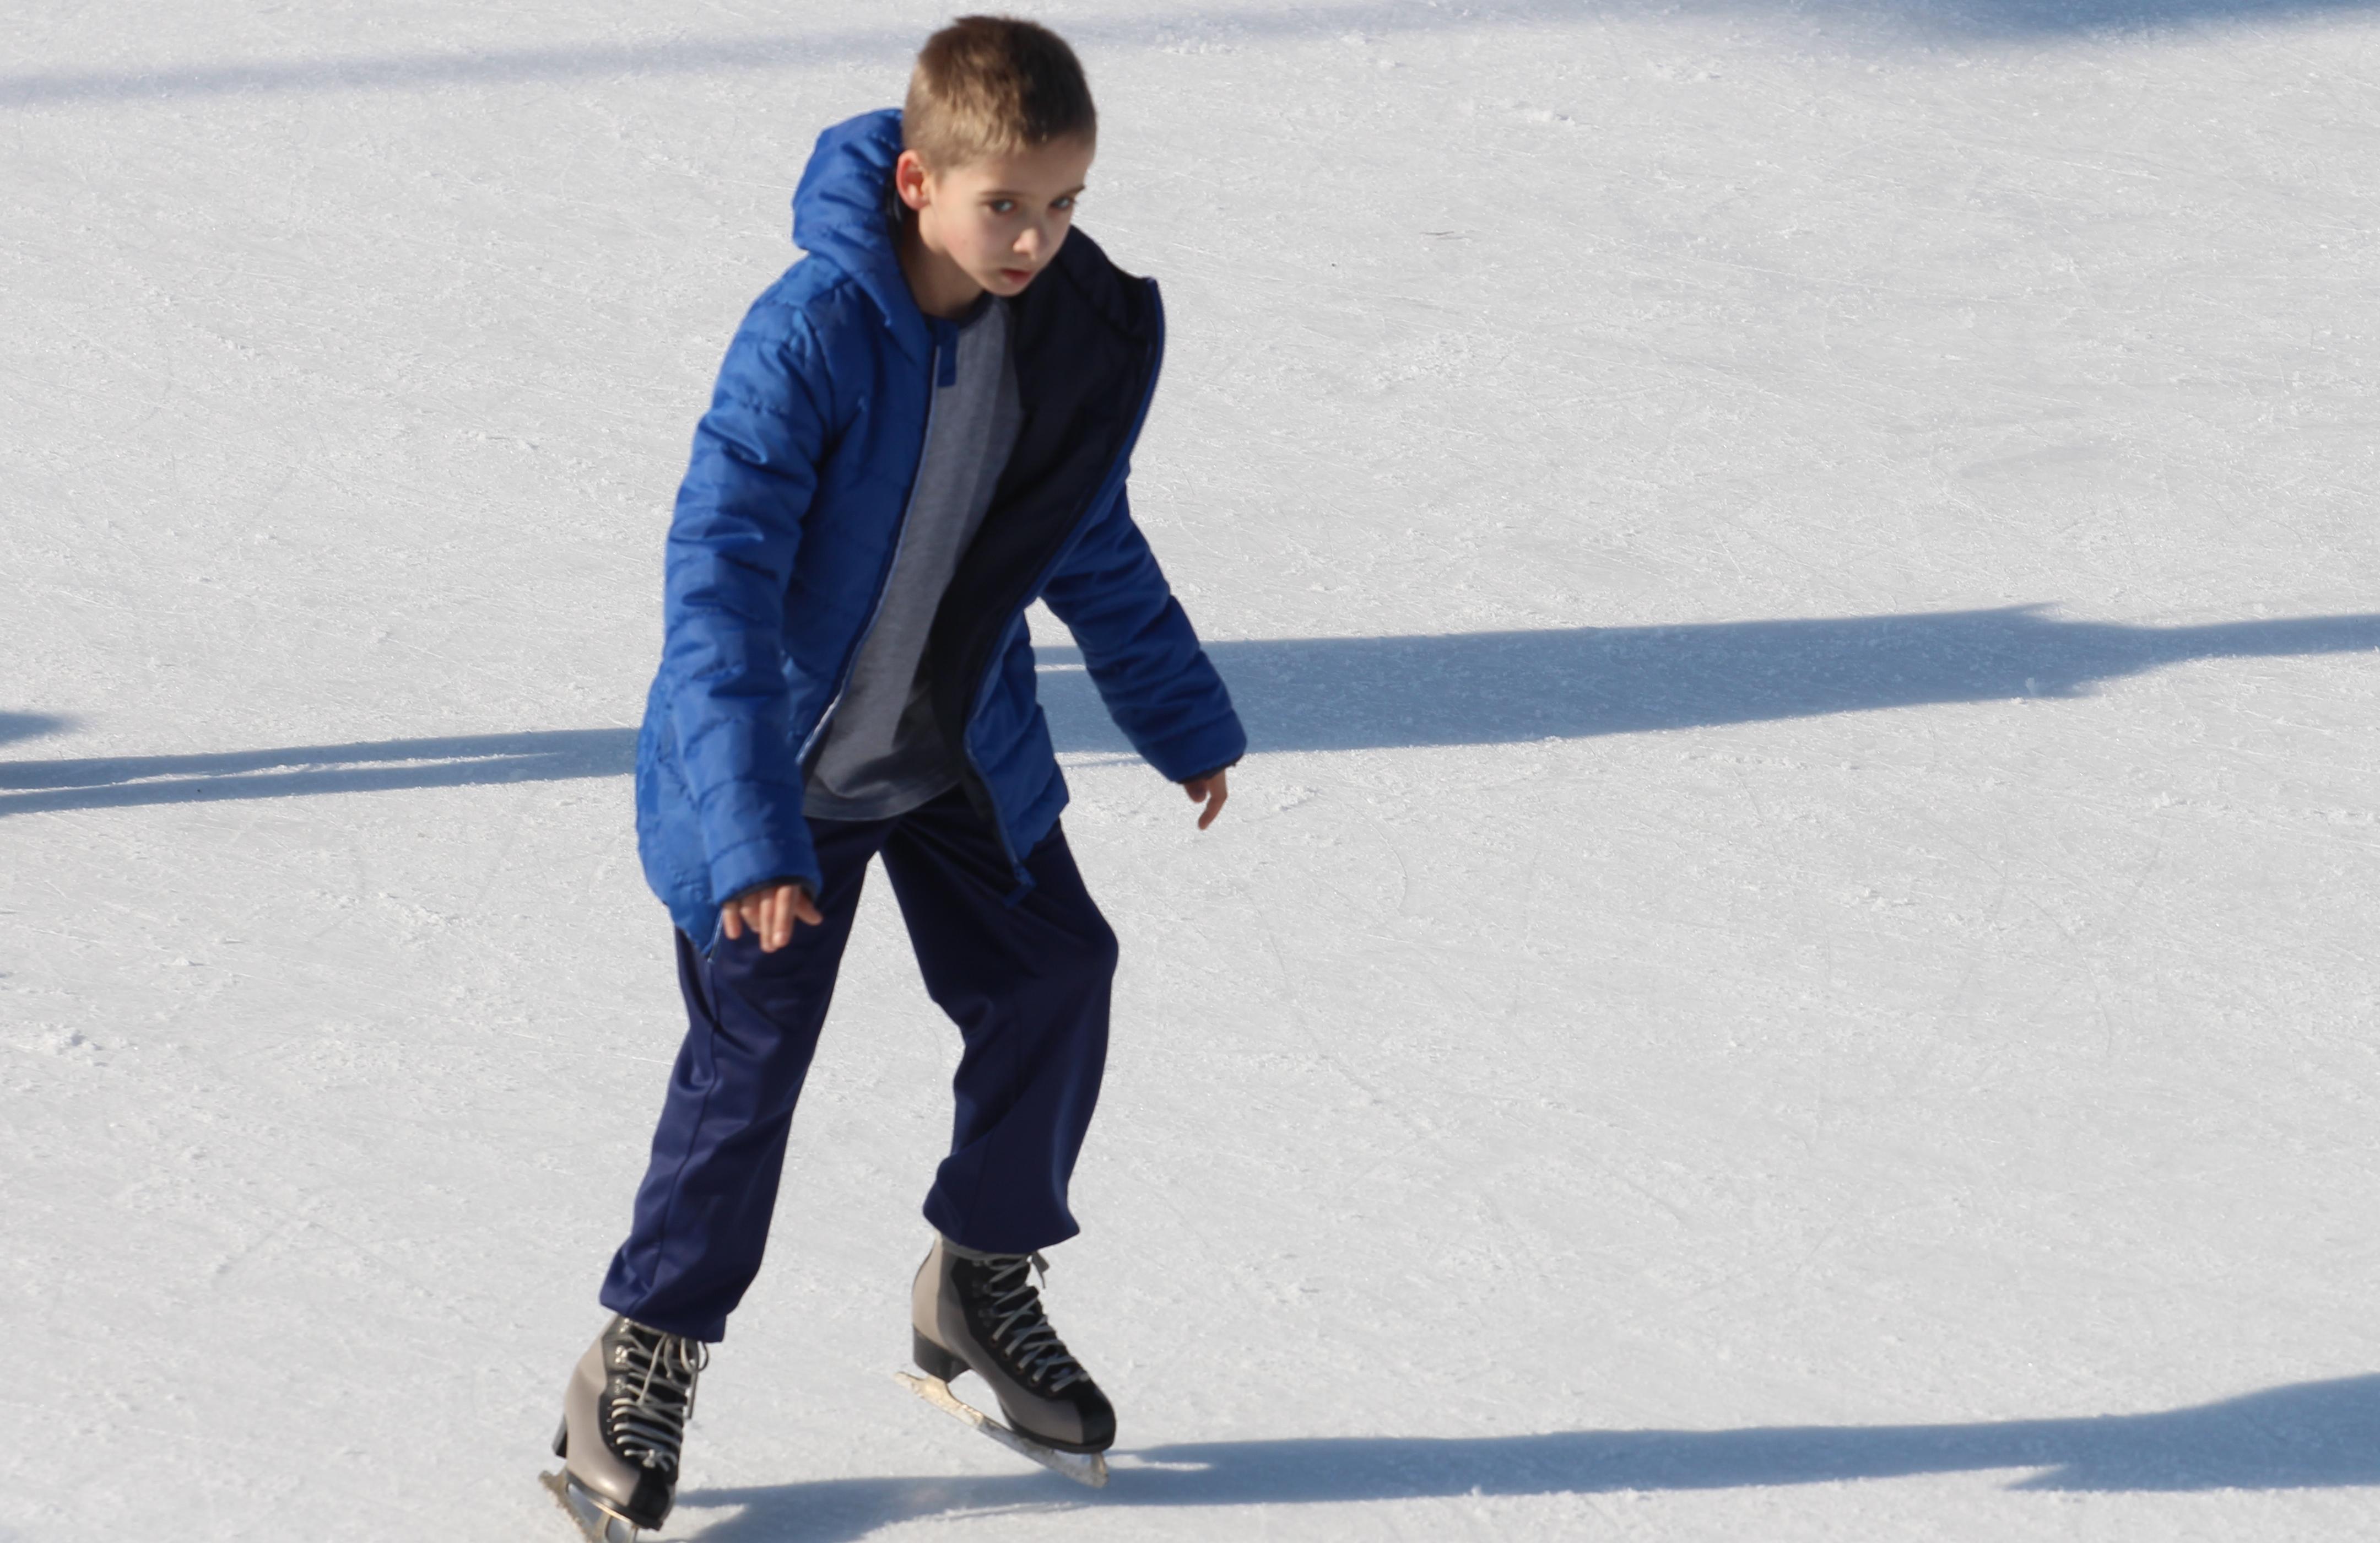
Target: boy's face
999, 221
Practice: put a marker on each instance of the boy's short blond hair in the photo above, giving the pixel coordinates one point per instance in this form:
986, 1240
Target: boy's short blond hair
994, 85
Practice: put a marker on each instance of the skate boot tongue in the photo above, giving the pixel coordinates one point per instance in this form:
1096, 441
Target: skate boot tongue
1020, 1329
649, 1396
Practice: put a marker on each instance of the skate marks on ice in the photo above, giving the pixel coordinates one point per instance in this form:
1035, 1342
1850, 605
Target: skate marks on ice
555, 755
607, 61
1504, 687
2309, 1435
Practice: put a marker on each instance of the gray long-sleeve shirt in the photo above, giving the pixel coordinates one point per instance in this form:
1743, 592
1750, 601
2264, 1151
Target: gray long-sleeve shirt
882, 755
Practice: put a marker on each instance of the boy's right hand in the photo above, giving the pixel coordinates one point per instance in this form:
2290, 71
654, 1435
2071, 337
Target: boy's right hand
770, 910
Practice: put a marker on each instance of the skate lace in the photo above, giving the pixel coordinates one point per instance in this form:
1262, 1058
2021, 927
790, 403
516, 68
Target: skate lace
650, 1394
1020, 1329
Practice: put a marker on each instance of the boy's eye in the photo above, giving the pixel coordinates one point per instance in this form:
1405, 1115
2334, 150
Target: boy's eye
1064, 203
1002, 206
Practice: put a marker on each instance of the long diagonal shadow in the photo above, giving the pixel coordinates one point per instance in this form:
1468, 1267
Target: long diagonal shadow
1502, 687
555, 755
609, 61
812, 49
1360, 693
2309, 1435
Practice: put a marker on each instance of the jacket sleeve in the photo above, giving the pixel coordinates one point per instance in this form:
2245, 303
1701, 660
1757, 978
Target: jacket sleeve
1140, 651
731, 552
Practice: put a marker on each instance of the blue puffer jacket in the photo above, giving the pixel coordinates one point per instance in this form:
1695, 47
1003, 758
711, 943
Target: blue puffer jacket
792, 509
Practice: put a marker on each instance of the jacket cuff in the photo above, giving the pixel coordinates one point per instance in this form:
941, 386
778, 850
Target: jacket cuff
1200, 752
759, 860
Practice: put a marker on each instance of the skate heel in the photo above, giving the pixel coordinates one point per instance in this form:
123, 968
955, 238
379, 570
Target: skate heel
933, 1360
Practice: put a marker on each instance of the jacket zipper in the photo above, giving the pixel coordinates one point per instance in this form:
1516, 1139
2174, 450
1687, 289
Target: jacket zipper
817, 735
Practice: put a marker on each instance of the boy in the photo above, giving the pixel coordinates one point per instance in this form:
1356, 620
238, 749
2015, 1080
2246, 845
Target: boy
922, 428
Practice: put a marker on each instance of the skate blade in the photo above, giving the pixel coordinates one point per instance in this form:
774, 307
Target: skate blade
599, 1525
1084, 1467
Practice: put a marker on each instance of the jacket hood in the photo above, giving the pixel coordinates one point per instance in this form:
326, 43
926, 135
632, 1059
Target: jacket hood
843, 211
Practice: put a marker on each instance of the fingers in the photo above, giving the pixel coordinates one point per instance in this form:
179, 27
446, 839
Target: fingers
1214, 790
789, 905
770, 912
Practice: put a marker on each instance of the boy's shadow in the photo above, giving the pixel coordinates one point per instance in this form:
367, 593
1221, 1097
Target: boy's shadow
1501, 687
1345, 693
2309, 1435
380, 765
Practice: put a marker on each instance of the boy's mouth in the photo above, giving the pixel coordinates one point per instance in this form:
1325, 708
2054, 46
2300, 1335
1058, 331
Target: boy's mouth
1016, 275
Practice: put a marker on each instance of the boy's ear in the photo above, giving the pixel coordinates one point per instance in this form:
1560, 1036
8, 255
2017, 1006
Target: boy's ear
912, 180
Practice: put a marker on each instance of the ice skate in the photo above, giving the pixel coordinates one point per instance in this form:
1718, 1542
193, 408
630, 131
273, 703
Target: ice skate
623, 1428
980, 1313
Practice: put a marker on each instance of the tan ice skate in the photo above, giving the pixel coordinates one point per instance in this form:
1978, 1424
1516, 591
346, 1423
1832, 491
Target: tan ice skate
980, 1313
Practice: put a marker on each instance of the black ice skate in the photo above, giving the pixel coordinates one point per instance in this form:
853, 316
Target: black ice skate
623, 1426
979, 1313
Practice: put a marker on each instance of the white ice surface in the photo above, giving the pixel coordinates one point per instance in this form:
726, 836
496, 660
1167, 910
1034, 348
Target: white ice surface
1625, 1066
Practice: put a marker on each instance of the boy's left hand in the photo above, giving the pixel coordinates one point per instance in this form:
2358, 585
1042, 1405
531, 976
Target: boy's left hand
1211, 790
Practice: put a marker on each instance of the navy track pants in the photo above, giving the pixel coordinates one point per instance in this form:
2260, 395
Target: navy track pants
1027, 986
